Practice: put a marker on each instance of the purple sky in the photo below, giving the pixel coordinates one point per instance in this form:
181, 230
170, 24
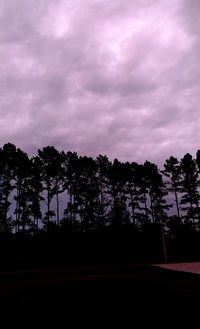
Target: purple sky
118, 77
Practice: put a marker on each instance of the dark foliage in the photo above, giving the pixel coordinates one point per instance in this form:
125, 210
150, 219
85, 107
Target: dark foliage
65, 206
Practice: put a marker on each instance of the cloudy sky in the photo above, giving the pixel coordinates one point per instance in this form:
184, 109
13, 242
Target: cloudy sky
118, 77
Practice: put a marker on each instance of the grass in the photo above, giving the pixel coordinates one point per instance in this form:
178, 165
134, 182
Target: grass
109, 297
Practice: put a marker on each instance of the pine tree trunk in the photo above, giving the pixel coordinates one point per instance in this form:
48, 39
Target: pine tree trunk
16, 216
145, 205
198, 213
70, 201
6, 213
192, 217
177, 205
132, 207
74, 210
152, 209
101, 203
18, 213
163, 240
23, 224
48, 203
57, 208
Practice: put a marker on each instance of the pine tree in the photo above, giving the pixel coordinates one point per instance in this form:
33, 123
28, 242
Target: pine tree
157, 192
173, 173
35, 189
6, 185
21, 171
119, 212
88, 192
190, 197
48, 160
103, 167
70, 181
133, 190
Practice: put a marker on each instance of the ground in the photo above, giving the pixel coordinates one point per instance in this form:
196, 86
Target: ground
192, 267
127, 297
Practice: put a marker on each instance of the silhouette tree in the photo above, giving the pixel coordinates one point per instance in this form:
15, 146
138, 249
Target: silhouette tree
6, 185
21, 171
190, 197
157, 192
97, 192
119, 214
70, 181
48, 160
35, 189
173, 172
133, 190
103, 167
142, 182
58, 187
88, 192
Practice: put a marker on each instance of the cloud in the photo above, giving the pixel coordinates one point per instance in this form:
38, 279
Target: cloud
119, 78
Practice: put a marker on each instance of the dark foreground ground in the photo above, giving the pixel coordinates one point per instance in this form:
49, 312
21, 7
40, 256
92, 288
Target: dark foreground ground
104, 297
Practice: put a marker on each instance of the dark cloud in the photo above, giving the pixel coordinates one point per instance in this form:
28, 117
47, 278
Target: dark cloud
119, 78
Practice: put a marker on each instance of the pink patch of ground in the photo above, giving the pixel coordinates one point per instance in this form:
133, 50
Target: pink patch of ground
185, 267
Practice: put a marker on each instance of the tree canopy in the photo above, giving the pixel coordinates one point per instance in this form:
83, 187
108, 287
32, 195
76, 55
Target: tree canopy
62, 189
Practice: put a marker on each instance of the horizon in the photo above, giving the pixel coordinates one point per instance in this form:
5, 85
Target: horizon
159, 163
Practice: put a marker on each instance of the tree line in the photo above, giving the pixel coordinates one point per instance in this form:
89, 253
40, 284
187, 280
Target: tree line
95, 193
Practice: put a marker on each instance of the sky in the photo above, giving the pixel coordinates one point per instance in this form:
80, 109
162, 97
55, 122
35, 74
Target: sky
120, 77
